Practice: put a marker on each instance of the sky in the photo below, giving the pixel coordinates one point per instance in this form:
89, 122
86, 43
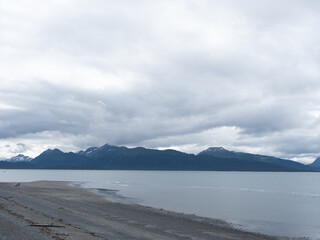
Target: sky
179, 74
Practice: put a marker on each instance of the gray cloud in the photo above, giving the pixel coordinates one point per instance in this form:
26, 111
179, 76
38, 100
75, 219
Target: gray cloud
183, 74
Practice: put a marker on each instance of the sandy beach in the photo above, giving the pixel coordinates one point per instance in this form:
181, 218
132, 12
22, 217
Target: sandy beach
56, 210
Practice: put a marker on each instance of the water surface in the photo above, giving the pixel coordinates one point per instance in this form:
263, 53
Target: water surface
286, 204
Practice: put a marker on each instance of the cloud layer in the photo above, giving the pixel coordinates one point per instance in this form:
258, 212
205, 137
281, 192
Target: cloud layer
185, 74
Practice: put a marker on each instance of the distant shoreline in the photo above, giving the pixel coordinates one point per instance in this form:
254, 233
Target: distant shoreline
49, 209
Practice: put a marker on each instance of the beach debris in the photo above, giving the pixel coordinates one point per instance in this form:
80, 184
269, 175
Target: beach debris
45, 225
17, 185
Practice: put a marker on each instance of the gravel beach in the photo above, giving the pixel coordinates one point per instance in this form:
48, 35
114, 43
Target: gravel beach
56, 210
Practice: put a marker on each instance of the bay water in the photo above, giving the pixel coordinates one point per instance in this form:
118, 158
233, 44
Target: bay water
282, 204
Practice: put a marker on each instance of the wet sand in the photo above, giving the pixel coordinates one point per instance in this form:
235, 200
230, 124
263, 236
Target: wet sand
56, 210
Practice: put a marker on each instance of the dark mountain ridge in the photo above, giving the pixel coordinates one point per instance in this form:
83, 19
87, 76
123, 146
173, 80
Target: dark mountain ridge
139, 158
57, 159
223, 153
316, 163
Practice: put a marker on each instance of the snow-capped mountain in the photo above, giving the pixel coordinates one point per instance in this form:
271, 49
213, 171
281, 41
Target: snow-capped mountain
214, 149
19, 158
88, 151
99, 151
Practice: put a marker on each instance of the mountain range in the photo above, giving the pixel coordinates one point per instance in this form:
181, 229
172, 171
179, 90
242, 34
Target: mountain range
122, 158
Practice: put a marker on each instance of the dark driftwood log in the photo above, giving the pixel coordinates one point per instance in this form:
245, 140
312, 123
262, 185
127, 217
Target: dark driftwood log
45, 225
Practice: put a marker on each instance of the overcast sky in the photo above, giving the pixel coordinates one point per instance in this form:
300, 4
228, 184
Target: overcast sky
181, 74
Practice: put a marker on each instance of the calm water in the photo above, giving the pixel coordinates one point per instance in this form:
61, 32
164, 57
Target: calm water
273, 203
